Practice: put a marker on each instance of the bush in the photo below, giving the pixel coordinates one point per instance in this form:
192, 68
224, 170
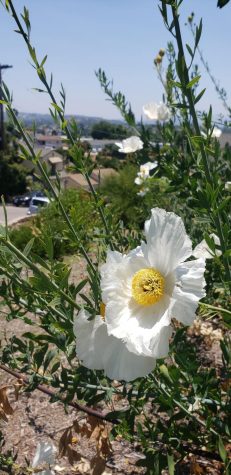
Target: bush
50, 227
51, 224
120, 192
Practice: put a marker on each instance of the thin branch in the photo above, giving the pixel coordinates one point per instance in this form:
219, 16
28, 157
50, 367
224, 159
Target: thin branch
46, 390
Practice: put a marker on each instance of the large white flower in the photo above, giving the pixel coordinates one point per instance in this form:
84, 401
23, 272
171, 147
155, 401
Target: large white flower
144, 172
130, 145
98, 350
144, 289
155, 111
44, 455
203, 250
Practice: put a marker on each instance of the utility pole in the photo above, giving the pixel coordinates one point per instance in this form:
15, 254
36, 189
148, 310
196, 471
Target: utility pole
2, 66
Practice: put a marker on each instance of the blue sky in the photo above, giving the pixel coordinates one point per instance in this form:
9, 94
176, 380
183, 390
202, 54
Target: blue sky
120, 36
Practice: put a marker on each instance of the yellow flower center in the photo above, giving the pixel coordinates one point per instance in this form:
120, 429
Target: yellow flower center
147, 286
102, 309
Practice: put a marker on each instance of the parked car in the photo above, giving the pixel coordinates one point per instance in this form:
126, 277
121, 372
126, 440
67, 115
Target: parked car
36, 203
24, 200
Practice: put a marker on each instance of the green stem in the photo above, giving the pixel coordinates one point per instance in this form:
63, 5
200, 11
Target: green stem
189, 96
183, 408
42, 78
46, 178
217, 309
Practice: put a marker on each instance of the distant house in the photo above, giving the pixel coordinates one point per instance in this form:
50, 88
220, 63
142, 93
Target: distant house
49, 141
54, 161
224, 139
76, 180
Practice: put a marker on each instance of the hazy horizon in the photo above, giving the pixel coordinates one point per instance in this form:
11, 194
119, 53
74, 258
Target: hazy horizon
122, 38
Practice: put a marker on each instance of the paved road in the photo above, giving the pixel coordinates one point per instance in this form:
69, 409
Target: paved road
14, 214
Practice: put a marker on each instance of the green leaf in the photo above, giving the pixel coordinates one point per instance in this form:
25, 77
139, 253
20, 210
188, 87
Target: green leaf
192, 82
171, 464
199, 96
164, 371
28, 247
189, 50
222, 450
222, 3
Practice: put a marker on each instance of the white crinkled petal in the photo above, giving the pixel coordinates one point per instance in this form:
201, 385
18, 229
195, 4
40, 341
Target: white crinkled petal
98, 350
122, 364
117, 272
139, 326
90, 339
150, 110
163, 112
189, 290
139, 181
167, 241
130, 145
203, 250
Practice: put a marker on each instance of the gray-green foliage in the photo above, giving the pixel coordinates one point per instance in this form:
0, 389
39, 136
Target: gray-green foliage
190, 179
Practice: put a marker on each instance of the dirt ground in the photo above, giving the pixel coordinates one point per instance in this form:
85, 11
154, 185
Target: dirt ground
34, 419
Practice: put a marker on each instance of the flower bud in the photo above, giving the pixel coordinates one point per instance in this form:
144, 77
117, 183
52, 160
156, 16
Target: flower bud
161, 52
158, 59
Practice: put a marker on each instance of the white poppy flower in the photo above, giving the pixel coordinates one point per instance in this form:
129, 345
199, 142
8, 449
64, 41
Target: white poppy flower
98, 350
155, 111
130, 145
144, 289
44, 455
203, 250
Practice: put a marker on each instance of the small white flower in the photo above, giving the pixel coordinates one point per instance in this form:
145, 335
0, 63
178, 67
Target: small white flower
144, 289
155, 111
203, 250
144, 172
196, 405
44, 455
98, 350
216, 132
142, 192
130, 145
228, 186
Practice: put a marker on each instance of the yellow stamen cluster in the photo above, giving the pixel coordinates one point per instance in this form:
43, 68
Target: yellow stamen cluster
147, 286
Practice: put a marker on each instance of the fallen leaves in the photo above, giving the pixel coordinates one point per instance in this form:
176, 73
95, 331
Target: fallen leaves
96, 431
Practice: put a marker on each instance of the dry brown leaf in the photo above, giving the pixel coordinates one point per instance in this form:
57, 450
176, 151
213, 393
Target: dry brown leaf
98, 465
4, 402
64, 442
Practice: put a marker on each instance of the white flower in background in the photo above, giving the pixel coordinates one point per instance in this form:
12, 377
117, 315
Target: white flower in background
44, 456
144, 289
98, 350
203, 250
130, 145
155, 111
142, 192
144, 172
196, 405
216, 132
228, 186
